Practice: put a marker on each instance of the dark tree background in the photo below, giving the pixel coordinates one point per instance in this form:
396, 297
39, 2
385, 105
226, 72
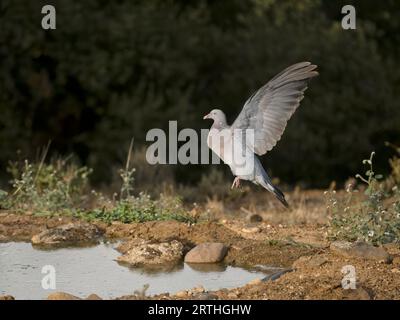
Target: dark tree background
114, 69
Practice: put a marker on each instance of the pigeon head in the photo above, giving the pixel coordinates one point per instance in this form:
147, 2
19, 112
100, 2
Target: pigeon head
218, 116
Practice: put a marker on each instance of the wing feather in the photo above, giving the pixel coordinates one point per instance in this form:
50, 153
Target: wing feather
268, 110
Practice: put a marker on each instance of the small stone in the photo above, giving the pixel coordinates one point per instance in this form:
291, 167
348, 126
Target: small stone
199, 289
396, 261
7, 297
209, 252
93, 297
232, 295
360, 250
254, 218
395, 270
251, 230
62, 296
181, 294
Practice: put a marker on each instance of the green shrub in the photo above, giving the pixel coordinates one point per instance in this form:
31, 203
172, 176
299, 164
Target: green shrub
127, 208
373, 217
140, 209
46, 188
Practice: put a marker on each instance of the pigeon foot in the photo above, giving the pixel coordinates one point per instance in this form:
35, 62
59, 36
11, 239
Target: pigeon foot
236, 183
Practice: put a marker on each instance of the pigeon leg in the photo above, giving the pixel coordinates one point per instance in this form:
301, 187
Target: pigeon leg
236, 183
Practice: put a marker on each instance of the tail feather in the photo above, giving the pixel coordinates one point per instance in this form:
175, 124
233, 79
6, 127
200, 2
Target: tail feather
280, 196
265, 182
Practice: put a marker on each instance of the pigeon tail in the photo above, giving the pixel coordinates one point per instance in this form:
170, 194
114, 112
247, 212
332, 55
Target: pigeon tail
280, 196
265, 182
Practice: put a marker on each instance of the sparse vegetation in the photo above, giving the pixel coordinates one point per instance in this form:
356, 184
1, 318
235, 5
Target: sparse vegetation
394, 178
45, 189
61, 188
140, 209
373, 216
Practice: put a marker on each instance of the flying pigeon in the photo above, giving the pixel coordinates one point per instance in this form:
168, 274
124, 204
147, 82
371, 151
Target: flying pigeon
259, 126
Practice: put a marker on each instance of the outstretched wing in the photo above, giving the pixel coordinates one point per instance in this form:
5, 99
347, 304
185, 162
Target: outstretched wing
268, 110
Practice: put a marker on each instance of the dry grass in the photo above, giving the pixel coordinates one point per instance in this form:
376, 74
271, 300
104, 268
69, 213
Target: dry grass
306, 207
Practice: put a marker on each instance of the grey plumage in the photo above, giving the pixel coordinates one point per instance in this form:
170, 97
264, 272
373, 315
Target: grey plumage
268, 109
266, 113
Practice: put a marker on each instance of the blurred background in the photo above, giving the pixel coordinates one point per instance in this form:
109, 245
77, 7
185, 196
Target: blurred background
114, 69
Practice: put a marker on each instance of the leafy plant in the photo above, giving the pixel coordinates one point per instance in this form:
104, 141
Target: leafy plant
373, 217
129, 208
140, 209
46, 188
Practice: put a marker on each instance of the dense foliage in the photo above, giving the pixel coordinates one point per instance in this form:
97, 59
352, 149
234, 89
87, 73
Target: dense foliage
114, 69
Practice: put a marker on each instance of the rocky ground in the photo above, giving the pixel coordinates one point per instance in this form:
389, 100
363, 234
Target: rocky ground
312, 266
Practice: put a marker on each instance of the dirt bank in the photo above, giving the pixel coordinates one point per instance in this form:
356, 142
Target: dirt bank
317, 275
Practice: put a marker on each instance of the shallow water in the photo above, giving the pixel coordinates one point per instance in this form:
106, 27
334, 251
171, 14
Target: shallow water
82, 271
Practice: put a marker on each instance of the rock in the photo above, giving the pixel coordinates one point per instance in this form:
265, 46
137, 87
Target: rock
93, 296
68, 234
356, 294
199, 289
7, 297
181, 294
62, 296
125, 246
360, 250
253, 218
153, 254
396, 261
208, 252
232, 295
309, 261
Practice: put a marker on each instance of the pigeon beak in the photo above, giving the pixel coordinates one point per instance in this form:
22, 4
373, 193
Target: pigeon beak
207, 116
